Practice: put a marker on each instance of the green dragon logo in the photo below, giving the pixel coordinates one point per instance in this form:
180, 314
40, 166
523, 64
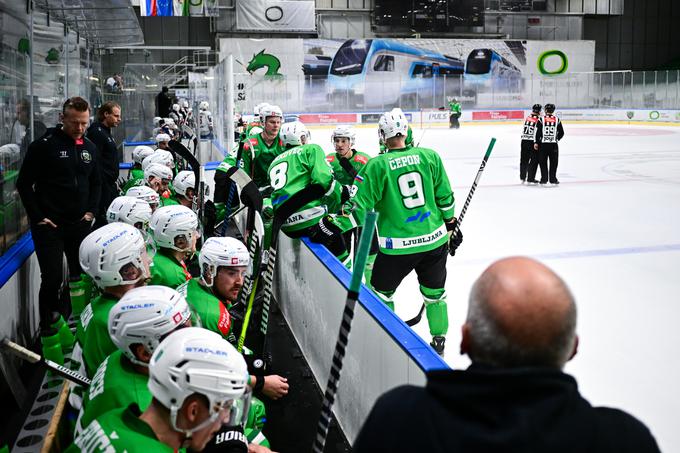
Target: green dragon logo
262, 60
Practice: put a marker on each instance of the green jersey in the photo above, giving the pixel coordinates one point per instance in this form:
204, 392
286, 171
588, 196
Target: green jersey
409, 141
92, 332
292, 171
410, 190
133, 182
454, 107
212, 312
120, 430
257, 157
167, 271
358, 161
170, 201
136, 173
115, 385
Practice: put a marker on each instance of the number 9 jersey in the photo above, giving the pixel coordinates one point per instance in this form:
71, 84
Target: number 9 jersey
410, 190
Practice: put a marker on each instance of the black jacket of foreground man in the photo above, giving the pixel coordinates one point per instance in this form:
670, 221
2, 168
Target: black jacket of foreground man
59, 178
484, 409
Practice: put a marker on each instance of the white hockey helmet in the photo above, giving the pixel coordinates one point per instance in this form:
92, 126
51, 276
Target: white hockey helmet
221, 251
175, 107
203, 105
185, 103
145, 193
292, 133
344, 131
195, 360
145, 316
158, 171
270, 110
111, 252
156, 119
258, 108
184, 180
9, 154
141, 152
162, 138
393, 123
160, 156
169, 121
170, 223
130, 210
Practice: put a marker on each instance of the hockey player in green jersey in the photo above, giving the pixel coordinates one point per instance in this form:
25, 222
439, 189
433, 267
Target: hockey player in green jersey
410, 190
409, 135
224, 262
115, 257
455, 113
295, 169
346, 162
175, 231
137, 323
140, 153
260, 150
198, 382
185, 188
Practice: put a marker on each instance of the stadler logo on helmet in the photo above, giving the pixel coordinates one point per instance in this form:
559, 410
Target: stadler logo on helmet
136, 306
200, 350
118, 236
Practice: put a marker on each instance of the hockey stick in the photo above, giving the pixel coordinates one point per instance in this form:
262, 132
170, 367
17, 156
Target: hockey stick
232, 187
290, 207
32, 357
250, 284
343, 335
413, 321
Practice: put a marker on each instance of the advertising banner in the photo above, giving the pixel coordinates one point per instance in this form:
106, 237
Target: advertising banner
498, 115
186, 8
275, 15
317, 75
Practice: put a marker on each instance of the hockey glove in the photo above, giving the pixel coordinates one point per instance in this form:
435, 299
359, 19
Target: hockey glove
324, 231
456, 238
229, 439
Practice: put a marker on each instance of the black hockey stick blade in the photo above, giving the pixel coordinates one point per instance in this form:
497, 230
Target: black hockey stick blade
32, 357
183, 152
415, 320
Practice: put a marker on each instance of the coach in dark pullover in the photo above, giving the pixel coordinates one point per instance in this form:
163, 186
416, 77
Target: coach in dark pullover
519, 333
108, 116
60, 188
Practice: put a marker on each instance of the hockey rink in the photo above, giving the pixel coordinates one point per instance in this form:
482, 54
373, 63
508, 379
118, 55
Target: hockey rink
611, 230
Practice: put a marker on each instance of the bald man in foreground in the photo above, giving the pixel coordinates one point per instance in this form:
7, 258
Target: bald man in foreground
519, 333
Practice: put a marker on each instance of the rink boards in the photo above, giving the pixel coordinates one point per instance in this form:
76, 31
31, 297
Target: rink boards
383, 352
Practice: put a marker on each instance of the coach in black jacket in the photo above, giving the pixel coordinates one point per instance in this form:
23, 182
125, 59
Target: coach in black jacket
108, 116
519, 333
60, 187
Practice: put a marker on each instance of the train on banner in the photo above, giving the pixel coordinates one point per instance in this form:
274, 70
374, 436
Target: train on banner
318, 75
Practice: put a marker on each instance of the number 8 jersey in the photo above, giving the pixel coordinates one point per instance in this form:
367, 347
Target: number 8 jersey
411, 192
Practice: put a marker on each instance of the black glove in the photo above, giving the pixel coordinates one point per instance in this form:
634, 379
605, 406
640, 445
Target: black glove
324, 231
456, 239
346, 194
229, 439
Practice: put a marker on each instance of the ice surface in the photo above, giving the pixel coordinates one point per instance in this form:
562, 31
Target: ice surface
611, 230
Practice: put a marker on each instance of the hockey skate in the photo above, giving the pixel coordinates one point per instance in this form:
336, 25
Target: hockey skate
438, 344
